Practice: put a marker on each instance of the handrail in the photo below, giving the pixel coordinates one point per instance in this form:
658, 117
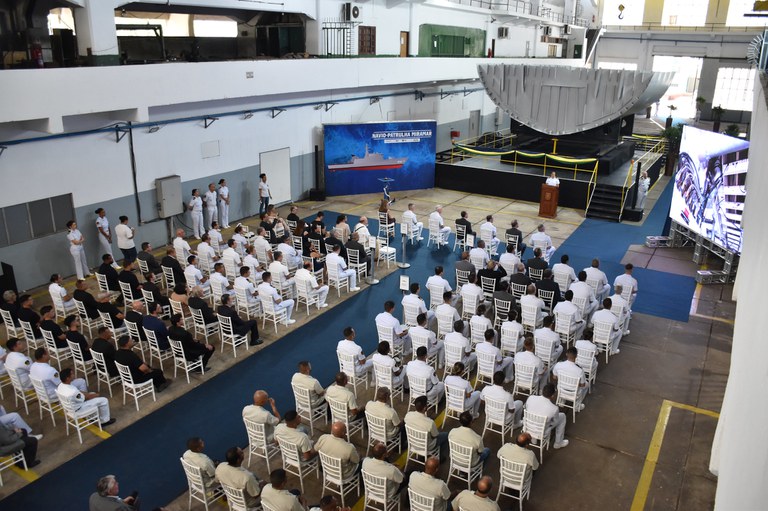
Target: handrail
707, 27
591, 186
625, 188
658, 148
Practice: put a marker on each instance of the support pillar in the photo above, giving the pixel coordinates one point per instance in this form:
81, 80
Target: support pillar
96, 33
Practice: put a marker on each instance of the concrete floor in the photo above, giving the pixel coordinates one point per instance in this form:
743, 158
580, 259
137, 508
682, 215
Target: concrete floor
660, 360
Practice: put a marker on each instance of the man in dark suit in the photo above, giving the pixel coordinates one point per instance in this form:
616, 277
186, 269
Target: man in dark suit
140, 371
196, 302
515, 231
146, 255
464, 220
106, 498
316, 233
136, 315
102, 344
89, 301
151, 286
502, 293
154, 323
537, 262
169, 261
10, 304
130, 278
26, 313
192, 348
463, 264
109, 271
520, 277
239, 326
354, 244
104, 305
334, 241
547, 283
493, 271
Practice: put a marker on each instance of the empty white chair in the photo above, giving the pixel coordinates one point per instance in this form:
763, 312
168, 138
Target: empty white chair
136, 390
228, 336
78, 419
258, 444
197, 489
376, 493
180, 361
334, 480
308, 409
517, 477
386, 253
293, 464
461, 466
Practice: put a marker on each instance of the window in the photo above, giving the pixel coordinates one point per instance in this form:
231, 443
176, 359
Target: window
36, 219
736, 18
685, 13
733, 88
626, 66
366, 39
215, 27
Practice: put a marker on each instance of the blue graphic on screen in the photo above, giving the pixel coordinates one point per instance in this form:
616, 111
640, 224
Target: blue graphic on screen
358, 155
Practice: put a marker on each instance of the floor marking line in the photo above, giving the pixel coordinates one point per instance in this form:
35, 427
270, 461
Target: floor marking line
712, 318
27, 475
651, 459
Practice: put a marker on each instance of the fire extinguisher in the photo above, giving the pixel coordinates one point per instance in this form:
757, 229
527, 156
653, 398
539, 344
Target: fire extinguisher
36, 54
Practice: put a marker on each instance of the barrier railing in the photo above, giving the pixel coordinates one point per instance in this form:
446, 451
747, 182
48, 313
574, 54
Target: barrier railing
654, 147
707, 27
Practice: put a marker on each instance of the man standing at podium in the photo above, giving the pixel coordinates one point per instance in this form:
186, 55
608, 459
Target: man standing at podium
552, 180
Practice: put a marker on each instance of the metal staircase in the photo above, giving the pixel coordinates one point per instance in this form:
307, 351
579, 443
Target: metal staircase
605, 203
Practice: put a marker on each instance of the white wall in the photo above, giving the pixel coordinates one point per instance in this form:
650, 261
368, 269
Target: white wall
740, 452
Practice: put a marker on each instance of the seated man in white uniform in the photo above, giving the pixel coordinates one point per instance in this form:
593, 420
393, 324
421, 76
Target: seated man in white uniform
434, 345
418, 367
488, 227
503, 364
230, 254
529, 299
386, 319
244, 282
42, 370
348, 346
261, 245
585, 345
471, 396
216, 239
334, 260
542, 239
605, 315
563, 268
545, 405
56, 289
626, 280
497, 392
183, 250
266, 290
409, 218
204, 249
509, 260
547, 333
595, 273
304, 274
414, 301
569, 367
279, 270
291, 255
82, 401
218, 278
251, 262
383, 358
436, 217
457, 340
582, 290
193, 274
528, 357
438, 281
514, 338
477, 254
566, 307
470, 289
618, 301
17, 360
448, 309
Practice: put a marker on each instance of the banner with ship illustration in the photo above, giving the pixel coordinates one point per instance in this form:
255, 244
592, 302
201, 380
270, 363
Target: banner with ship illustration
357, 156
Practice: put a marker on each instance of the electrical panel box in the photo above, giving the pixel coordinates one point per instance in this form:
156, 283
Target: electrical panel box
169, 199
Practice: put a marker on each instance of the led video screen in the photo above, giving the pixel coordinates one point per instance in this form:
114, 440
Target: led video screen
710, 186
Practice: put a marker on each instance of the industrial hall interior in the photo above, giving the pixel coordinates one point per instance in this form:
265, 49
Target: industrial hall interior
422, 255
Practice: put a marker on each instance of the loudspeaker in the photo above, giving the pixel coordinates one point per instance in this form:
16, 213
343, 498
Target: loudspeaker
316, 195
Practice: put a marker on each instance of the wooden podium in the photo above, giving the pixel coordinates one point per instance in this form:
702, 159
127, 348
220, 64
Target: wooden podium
548, 201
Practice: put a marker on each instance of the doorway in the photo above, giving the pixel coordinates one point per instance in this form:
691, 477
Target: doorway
684, 88
404, 38
474, 123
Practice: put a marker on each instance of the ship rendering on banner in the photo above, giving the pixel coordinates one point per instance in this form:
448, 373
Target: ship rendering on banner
563, 100
370, 161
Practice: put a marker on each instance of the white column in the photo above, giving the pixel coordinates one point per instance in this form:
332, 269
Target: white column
96, 34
